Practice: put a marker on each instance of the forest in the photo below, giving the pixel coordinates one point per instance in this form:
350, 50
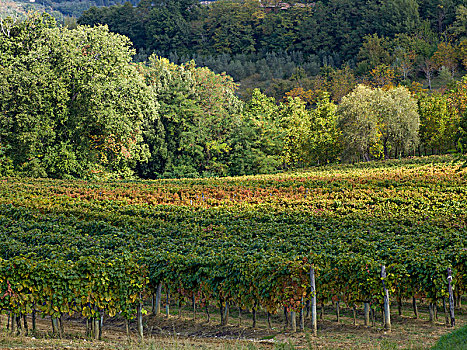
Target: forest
230, 88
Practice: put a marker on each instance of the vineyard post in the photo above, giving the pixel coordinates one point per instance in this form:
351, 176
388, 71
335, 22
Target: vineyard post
127, 327
96, 326
206, 308
366, 310
451, 299
293, 316
387, 312
101, 323
431, 311
414, 304
167, 310
446, 313
399, 304
139, 318
354, 311
60, 326
157, 309
221, 310
314, 321
302, 316
54, 325
33, 318
194, 306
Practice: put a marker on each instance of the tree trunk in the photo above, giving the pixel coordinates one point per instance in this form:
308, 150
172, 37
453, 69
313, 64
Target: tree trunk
253, 312
269, 321
25, 324
19, 328
206, 308
54, 326
286, 318
354, 311
337, 311
194, 307
432, 313
33, 319
221, 311
446, 313
399, 305
88, 329
61, 327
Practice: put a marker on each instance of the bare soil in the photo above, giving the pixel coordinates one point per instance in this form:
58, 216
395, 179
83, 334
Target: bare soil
182, 332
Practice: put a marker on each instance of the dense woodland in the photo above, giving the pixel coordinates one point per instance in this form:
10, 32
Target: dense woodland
337, 82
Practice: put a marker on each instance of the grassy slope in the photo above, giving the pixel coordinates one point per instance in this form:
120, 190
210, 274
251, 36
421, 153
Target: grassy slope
456, 340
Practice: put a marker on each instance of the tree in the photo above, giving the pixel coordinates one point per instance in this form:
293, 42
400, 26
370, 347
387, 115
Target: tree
375, 122
459, 27
404, 53
445, 56
457, 99
295, 120
324, 137
257, 141
72, 101
198, 110
462, 52
373, 52
437, 130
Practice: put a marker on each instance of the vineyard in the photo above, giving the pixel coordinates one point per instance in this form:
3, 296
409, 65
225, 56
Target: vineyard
249, 243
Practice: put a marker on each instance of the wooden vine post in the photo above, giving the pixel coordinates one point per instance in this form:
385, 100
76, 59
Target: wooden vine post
157, 307
387, 312
293, 320
451, 299
139, 318
366, 311
314, 320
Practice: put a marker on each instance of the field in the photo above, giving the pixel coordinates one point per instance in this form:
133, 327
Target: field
95, 257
